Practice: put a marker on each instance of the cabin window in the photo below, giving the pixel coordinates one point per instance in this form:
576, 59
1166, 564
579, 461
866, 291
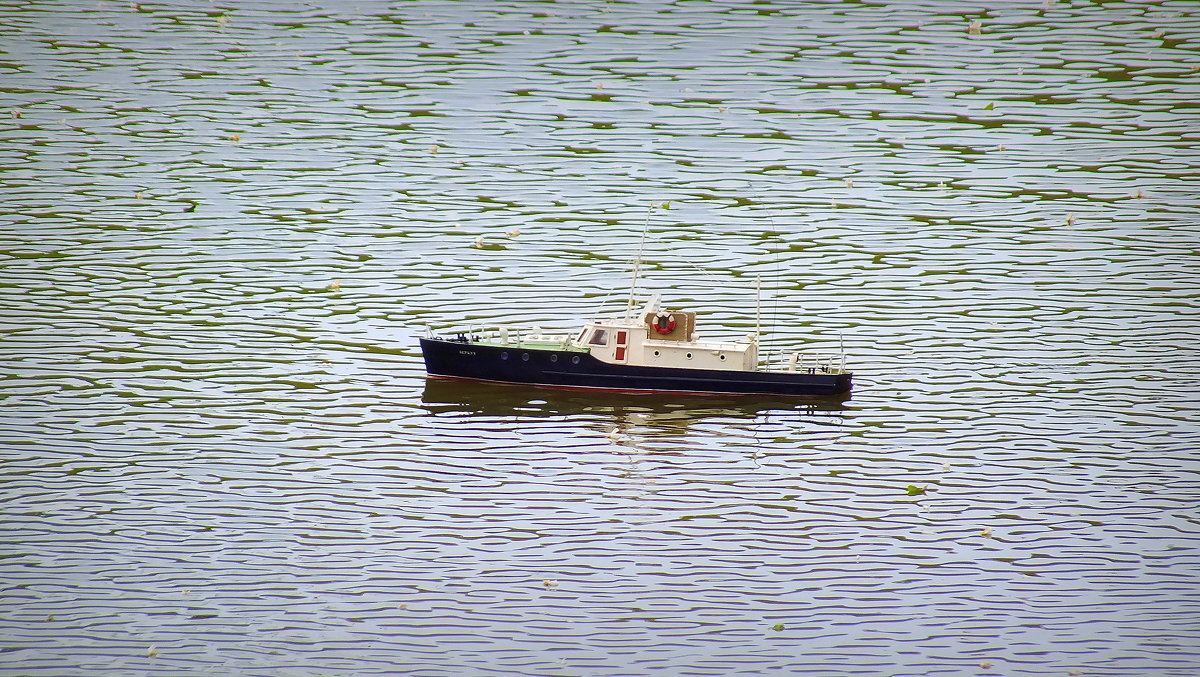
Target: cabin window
583, 332
599, 337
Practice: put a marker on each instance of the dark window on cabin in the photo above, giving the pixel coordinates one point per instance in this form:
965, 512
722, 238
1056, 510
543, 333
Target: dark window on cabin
599, 337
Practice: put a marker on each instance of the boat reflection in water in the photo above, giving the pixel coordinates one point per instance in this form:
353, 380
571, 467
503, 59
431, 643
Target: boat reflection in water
671, 411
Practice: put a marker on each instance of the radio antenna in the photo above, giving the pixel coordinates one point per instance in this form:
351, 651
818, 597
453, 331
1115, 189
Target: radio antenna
757, 307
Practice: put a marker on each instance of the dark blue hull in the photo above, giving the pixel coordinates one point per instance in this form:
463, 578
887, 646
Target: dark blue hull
573, 369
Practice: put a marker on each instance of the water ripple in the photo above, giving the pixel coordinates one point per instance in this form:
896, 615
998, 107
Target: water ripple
226, 227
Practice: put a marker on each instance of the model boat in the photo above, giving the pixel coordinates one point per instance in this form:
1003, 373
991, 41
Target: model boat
652, 350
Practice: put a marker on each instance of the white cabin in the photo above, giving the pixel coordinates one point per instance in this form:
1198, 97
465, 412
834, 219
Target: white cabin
658, 338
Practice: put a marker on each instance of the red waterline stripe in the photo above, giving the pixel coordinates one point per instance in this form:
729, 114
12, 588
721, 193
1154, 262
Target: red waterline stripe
630, 391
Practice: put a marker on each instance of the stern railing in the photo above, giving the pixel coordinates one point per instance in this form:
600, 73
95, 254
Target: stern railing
814, 363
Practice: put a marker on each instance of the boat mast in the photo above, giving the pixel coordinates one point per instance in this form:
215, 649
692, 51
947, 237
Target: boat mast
637, 264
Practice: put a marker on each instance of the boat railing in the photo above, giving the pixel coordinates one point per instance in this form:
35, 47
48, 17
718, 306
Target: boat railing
517, 335
814, 363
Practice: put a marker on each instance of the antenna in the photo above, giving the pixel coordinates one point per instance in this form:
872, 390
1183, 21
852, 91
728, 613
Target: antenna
757, 307
637, 263
774, 277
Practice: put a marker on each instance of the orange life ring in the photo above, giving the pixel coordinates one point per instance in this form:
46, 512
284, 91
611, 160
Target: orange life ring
664, 323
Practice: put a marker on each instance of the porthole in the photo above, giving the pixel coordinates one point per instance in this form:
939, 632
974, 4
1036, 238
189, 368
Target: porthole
504, 355
722, 358
656, 353
689, 356
524, 357
554, 358
574, 359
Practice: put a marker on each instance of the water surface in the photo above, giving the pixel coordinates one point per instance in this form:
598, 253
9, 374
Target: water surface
224, 226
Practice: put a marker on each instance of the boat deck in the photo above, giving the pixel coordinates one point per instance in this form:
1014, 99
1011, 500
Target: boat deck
529, 344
